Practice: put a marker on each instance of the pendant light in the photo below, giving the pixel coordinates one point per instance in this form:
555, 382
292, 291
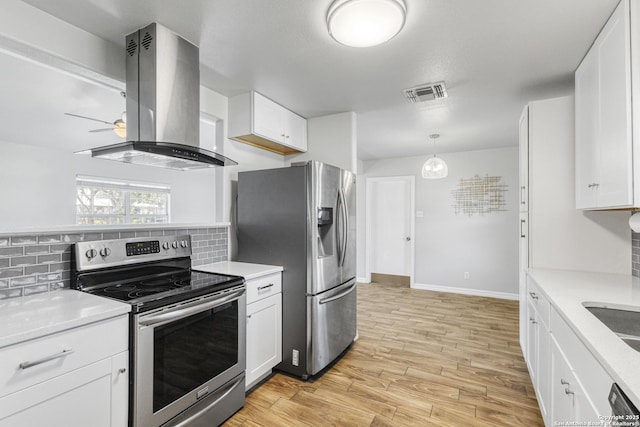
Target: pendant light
434, 167
364, 23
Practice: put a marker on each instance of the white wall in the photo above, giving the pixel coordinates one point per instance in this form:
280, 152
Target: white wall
447, 245
38, 186
331, 139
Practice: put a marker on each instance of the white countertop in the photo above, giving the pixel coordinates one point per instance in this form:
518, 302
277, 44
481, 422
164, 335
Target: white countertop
247, 270
568, 290
33, 316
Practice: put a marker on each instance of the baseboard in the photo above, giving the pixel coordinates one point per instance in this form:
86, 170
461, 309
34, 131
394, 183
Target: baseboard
466, 291
362, 280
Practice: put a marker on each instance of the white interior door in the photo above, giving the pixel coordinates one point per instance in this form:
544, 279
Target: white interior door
390, 226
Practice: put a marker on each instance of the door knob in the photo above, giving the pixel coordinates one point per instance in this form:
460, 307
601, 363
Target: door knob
408, 239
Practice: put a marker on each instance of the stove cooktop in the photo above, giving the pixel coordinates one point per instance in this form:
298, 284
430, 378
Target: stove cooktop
151, 292
146, 273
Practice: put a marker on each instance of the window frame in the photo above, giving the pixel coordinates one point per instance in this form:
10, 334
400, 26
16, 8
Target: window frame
127, 187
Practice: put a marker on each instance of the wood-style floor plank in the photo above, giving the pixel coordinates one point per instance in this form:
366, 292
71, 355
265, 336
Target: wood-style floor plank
423, 358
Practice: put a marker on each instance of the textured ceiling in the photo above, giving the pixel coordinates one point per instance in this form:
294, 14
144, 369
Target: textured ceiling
494, 56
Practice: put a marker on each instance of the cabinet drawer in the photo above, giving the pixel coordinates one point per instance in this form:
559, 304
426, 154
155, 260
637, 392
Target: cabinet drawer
538, 301
263, 287
587, 369
81, 346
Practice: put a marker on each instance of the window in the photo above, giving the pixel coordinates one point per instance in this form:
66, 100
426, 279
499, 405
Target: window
102, 201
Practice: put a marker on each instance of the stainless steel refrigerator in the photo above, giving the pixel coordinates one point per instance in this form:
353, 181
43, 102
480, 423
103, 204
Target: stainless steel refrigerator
303, 218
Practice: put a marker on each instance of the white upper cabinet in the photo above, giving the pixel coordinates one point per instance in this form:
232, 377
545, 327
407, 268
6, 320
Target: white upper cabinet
256, 120
604, 114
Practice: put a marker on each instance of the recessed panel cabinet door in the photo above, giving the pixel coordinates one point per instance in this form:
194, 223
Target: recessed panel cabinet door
264, 337
569, 402
268, 120
614, 85
524, 159
523, 265
604, 156
586, 110
296, 131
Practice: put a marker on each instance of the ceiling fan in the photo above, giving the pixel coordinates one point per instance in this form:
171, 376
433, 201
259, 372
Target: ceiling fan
119, 126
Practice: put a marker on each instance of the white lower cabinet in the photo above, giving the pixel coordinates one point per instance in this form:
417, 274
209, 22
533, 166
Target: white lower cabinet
264, 327
73, 378
570, 384
538, 347
568, 397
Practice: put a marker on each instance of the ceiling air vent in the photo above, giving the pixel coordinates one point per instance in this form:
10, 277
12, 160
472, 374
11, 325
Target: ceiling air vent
427, 92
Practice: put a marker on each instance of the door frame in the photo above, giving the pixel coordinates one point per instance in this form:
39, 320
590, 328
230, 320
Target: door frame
368, 222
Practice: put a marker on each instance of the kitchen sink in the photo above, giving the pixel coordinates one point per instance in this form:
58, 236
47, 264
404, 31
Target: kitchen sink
624, 323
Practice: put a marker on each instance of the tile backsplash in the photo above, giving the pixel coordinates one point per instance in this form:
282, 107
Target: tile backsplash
37, 263
635, 254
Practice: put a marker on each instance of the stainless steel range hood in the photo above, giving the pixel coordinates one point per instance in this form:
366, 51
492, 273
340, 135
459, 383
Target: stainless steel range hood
163, 104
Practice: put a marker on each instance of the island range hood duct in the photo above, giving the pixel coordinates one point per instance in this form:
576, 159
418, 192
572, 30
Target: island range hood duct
163, 104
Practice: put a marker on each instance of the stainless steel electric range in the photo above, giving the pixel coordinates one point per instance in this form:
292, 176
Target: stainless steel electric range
187, 328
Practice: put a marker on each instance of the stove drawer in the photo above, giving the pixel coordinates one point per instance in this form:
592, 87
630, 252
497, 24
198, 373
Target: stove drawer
34, 361
262, 287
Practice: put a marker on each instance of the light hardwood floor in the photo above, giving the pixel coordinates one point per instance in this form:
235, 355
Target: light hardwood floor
422, 358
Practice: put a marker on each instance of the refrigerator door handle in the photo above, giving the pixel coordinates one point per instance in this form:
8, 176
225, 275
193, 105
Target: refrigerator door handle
340, 295
338, 227
344, 229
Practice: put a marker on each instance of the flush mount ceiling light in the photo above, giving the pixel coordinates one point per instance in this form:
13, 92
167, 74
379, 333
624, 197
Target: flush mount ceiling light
364, 23
435, 167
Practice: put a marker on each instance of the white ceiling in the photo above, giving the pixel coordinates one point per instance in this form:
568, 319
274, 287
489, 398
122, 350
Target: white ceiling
493, 55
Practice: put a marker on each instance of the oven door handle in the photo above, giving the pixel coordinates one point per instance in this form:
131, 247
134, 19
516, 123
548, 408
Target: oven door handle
178, 312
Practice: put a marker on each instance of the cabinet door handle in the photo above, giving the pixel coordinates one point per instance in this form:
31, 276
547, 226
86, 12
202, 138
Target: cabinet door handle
532, 320
522, 194
567, 391
563, 381
27, 365
522, 222
533, 295
265, 286
594, 185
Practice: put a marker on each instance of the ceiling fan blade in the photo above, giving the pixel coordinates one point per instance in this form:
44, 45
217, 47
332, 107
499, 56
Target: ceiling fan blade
101, 130
89, 118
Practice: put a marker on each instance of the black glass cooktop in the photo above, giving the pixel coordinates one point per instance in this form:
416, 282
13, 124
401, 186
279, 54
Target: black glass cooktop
153, 285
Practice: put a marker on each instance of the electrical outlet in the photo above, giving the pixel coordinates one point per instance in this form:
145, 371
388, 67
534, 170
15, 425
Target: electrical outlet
466, 275
295, 356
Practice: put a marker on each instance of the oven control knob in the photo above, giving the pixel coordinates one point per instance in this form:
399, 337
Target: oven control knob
166, 246
175, 245
91, 253
183, 243
105, 252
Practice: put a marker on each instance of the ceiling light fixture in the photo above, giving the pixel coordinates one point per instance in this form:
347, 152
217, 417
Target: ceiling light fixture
364, 23
434, 167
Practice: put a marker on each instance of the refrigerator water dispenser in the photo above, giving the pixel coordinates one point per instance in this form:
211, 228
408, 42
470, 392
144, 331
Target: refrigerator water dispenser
325, 232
